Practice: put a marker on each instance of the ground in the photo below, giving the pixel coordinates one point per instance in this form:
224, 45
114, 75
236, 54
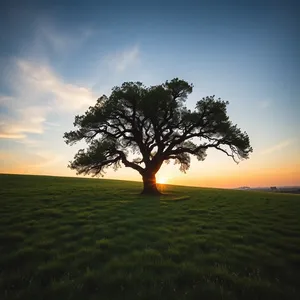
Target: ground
72, 238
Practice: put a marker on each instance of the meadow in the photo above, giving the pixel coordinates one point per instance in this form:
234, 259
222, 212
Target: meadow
73, 238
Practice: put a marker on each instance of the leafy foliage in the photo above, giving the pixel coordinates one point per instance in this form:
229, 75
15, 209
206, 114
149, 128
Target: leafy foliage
154, 125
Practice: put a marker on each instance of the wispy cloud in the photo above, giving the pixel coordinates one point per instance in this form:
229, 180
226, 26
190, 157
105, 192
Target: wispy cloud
281, 145
30, 143
51, 124
48, 38
121, 61
27, 162
264, 104
38, 90
25, 120
4, 100
42, 80
47, 159
10, 135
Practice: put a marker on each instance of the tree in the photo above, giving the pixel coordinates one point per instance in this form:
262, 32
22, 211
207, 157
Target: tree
152, 125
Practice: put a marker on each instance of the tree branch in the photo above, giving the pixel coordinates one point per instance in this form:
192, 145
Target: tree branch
129, 163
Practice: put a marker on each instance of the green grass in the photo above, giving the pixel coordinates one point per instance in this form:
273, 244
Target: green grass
71, 238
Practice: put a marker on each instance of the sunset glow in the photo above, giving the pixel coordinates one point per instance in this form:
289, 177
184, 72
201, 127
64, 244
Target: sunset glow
162, 180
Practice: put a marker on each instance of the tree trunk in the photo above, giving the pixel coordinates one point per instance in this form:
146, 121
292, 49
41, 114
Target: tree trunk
150, 187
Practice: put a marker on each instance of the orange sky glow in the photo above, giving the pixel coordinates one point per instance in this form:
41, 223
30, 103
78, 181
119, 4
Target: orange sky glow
216, 171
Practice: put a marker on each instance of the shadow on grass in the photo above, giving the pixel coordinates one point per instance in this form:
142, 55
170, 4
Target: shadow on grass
163, 197
174, 197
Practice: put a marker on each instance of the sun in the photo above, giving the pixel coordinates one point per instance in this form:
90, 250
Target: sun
162, 180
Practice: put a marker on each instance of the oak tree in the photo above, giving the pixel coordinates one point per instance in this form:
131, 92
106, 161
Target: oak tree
143, 127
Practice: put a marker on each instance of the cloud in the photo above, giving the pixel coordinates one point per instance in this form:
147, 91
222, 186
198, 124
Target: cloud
46, 159
34, 83
279, 146
42, 80
25, 120
264, 104
26, 162
37, 93
5, 99
121, 61
10, 135
59, 42
51, 124
49, 39
30, 143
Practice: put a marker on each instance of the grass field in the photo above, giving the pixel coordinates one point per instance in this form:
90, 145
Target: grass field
71, 238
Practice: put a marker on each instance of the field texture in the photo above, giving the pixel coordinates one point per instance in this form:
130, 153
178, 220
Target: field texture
68, 238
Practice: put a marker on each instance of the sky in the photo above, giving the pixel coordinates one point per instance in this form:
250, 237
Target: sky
58, 57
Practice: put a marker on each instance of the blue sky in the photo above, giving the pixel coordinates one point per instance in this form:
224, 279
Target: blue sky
57, 58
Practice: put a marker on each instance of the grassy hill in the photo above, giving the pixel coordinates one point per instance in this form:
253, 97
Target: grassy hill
71, 238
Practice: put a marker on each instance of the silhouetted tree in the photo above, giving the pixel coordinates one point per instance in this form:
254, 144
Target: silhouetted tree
152, 125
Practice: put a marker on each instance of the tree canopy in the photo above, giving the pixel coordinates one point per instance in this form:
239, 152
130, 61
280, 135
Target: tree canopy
142, 127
